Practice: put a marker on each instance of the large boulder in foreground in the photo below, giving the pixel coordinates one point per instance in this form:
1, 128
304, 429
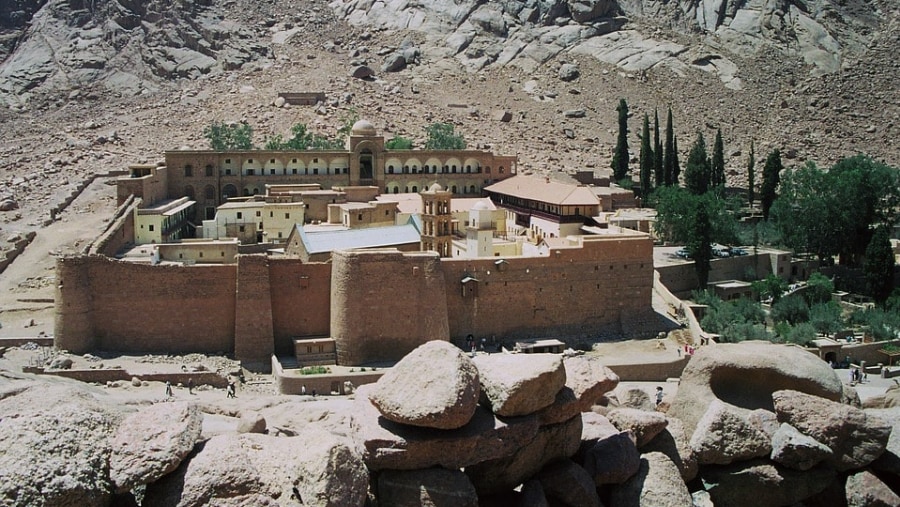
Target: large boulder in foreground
854, 437
796, 450
745, 375
389, 445
434, 386
566, 483
612, 460
761, 482
676, 445
551, 443
152, 442
864, 489
642, 424
432, 486
55, 445
587, 380
254, 469
890, 460
724, 435
657, 483
520, 384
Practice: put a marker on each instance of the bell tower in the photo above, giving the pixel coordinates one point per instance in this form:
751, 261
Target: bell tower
436, 219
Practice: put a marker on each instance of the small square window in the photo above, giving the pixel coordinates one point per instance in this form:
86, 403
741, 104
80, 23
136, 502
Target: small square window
249, 160
258, 213
287, 215
241, 228
271, 160
227, 160
151, 227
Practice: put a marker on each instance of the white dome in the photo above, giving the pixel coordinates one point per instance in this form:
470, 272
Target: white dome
363, 128
436, 188
481, 206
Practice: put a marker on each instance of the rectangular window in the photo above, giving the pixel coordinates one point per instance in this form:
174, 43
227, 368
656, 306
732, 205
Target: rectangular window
209, 170
294, 171
271, 171
241, 228
250, 172
201, 254
151, 227
188, 171
316, 171
315, 161
271, 214
279, 234
294, 161
271, 160
258, 213
227, 160
240, 215
287, 215
249, 160
227, 172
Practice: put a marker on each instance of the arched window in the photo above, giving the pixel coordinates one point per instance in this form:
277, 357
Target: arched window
415, 169
415, 189
453, 189
453, 168
390, 169
468, 168
396, 190
209, 193
472, 189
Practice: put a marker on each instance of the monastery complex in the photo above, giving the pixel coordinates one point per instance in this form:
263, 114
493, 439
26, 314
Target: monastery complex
352, 257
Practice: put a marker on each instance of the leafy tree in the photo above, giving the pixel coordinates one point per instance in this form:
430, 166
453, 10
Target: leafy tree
772, 286
223, 136
669, 176
658, 169
620, 156
676, 211
347, 122
717, 178
882, 325
441, 136
273, 143
647, 159
801, 334
398, 143
826, 317
697, 172
771, 177
751, 176
818, 289
791, 309
734, 321
879, 266
805, 212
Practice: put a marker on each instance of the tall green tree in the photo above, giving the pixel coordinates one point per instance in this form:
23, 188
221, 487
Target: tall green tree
676, 213
806, 212
718, 161
751, 176
676, 165
697, 174
669, 156
441, 136
700, 246
658, 169
647, 159
620, 156
879, 266
771, 177
224, 136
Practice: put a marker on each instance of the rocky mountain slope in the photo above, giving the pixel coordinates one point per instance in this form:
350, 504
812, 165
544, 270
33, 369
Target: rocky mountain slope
89, 86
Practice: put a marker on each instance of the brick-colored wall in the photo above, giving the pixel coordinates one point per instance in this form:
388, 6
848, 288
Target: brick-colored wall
573, 293
385, 303
301, 301
253, 336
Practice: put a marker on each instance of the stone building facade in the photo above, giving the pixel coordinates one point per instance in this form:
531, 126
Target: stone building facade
211, 177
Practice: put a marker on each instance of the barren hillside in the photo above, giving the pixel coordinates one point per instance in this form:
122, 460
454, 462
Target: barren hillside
92, 86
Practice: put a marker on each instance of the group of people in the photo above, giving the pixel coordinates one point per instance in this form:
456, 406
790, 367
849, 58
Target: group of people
857, 376
230, 389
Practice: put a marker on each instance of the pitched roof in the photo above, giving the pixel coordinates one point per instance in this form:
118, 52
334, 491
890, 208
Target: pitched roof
372, 237
545, 190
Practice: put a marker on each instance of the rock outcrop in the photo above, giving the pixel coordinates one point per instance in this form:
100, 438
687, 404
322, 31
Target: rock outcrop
446, 400
517, 385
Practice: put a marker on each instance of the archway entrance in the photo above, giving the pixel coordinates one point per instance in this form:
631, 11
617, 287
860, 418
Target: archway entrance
366, 167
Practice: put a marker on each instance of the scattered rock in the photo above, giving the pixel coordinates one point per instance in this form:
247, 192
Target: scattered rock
760, 482
60, 363
432, 486
446, 401
855, 438
520, 384
574, 113
865, 489
796, 450
568, 72
251, 422
136, 382
657, 482
393, 63
501, 116
724, 435
644, 425
362, 72
612, 460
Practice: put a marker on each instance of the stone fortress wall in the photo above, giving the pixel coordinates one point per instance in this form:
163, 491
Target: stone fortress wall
377, 305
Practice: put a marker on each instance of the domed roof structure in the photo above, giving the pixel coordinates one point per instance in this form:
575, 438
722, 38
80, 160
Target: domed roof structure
436, 187
363, 128
481, 206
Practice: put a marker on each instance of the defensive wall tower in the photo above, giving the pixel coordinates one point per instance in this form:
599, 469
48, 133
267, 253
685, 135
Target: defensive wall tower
385, 303
73, 312
254, 341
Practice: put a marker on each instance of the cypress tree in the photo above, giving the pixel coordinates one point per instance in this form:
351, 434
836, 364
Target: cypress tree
701, 245
697, 174
718, 161
879, 266
771, 178
620, 156
676, 165
670, 177
657, 150
751, 176
647, 159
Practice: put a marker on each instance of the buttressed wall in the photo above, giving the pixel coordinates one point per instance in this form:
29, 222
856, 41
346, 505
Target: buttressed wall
385, 303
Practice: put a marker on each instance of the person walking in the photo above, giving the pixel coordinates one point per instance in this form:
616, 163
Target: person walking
190, 385
229, 391
168, 389
659, 395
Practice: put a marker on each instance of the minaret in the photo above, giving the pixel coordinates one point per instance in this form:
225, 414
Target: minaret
480, 231
436, 218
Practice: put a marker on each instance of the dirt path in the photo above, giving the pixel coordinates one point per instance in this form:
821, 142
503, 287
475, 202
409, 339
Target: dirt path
27, 286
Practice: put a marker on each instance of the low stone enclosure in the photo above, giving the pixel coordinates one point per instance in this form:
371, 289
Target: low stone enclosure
752, 424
